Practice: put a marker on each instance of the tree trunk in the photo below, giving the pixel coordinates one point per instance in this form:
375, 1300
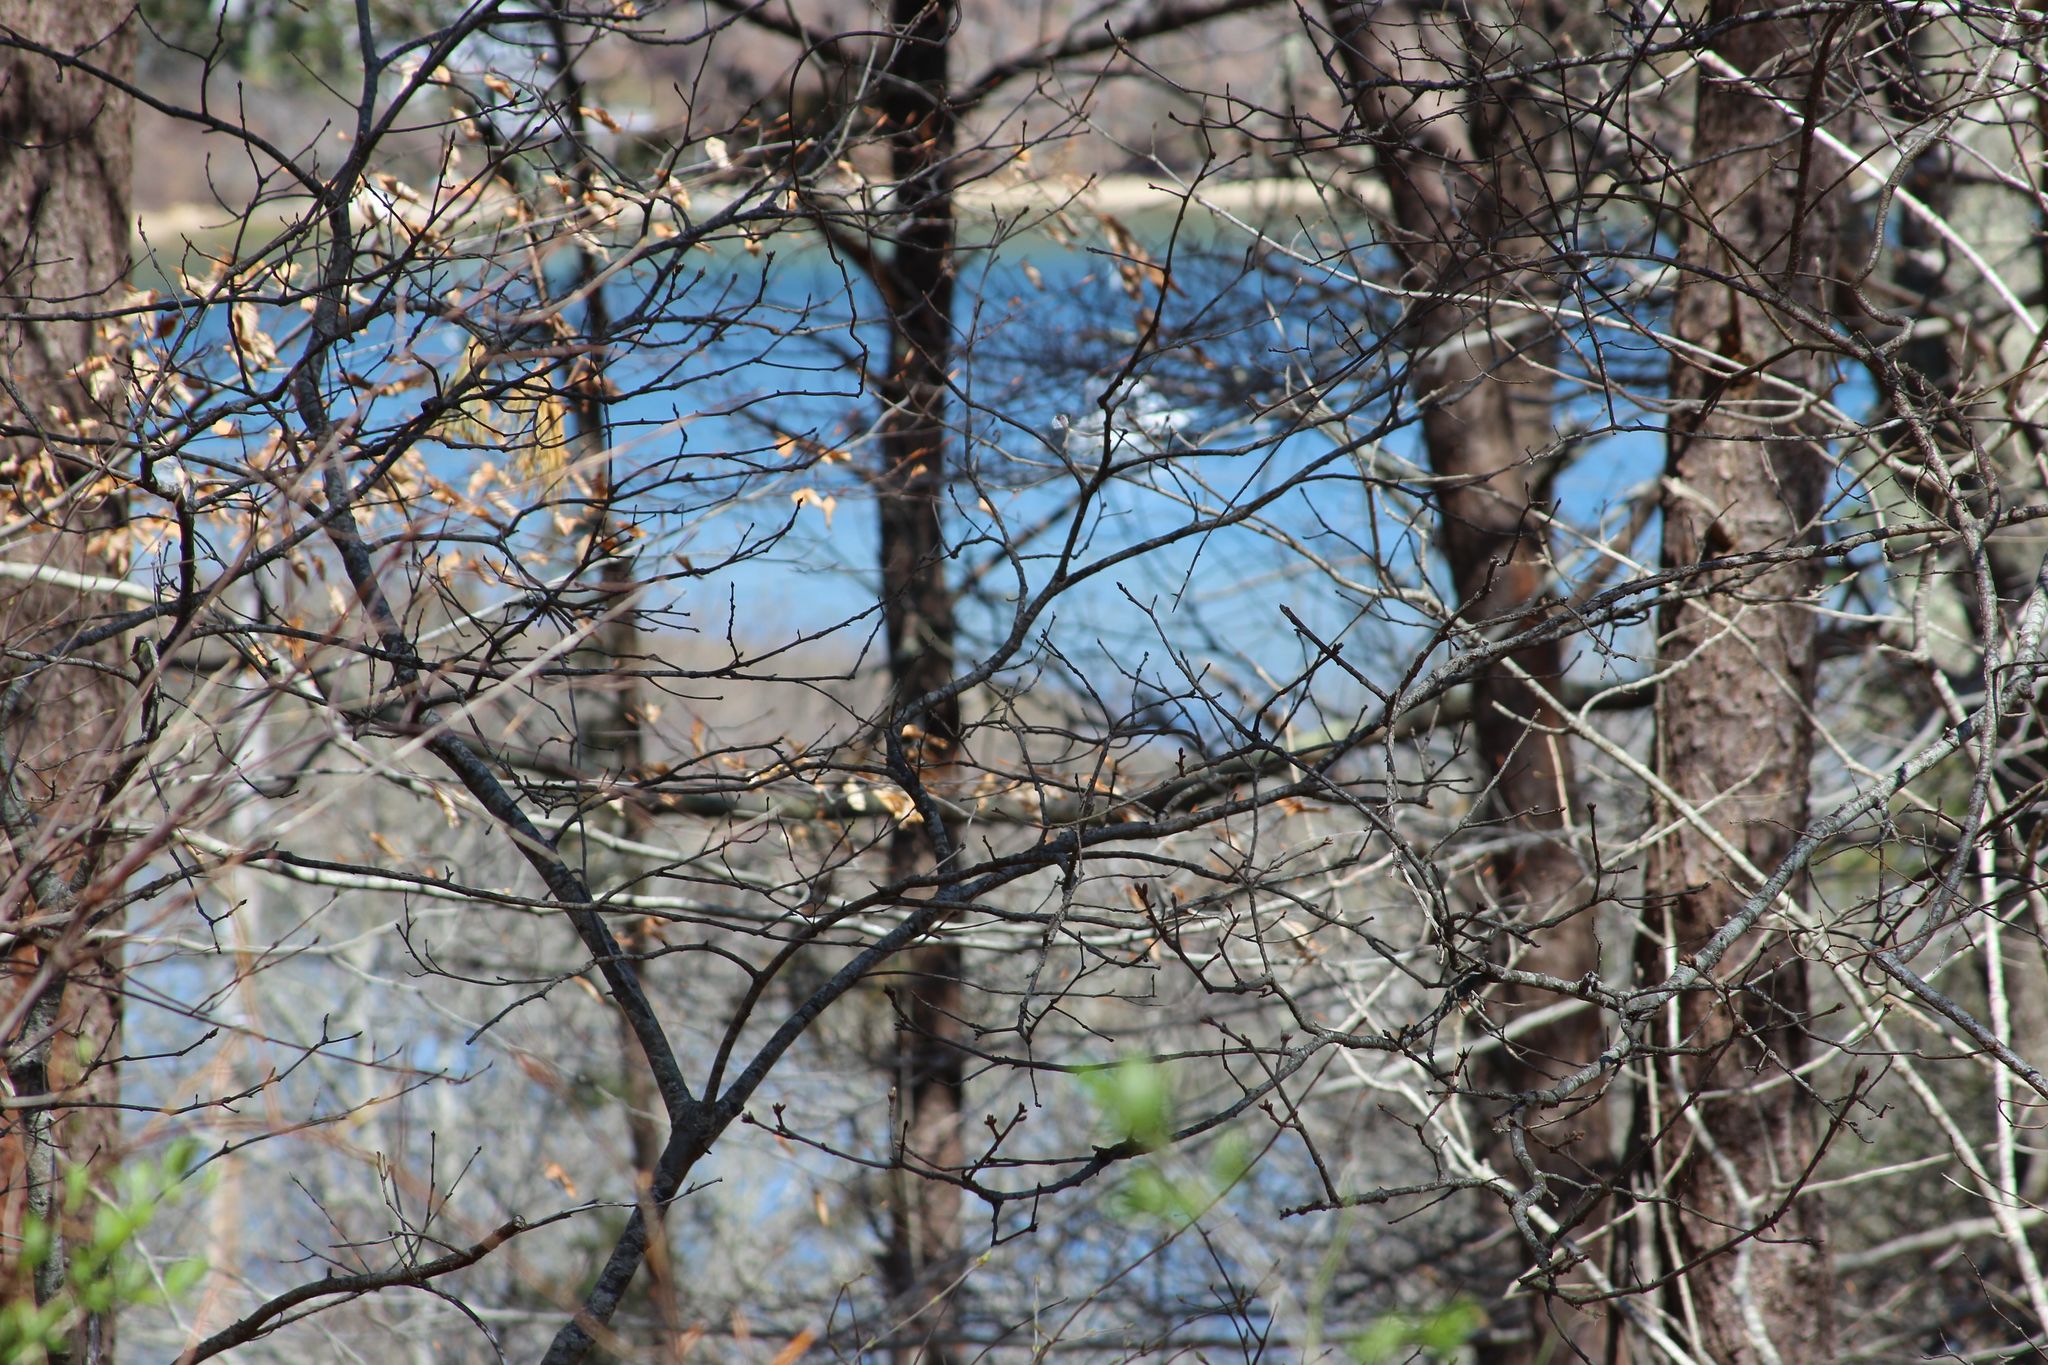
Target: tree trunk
610, 715
611, 746
1734, 736
917, 608
64, 173
1465, 179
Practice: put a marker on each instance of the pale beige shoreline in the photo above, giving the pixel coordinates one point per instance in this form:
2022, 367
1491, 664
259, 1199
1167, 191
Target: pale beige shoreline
1137, 194
1133, 196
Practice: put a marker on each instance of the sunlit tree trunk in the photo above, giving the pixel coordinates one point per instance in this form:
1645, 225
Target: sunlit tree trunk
64, 172
1745, 472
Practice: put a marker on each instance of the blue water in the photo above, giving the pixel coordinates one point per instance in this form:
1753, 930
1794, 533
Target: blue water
740, 370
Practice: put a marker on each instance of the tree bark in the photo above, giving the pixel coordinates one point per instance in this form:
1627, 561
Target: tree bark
1745, 471
1465, 176
918, 618
64, 227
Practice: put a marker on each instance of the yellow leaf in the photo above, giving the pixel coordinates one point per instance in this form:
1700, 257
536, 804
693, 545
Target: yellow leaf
250, 342
472, 420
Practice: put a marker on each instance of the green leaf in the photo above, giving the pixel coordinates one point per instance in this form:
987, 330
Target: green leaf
75, 1178
1439, 1334
37, 1241
1232, 1162
181, 1158
1136, 1095
103, 1273
182, 1277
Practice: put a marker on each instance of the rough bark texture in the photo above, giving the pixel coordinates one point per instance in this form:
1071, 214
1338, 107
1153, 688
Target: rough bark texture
1734, 738
1464, 174
922, 1255
64, 172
